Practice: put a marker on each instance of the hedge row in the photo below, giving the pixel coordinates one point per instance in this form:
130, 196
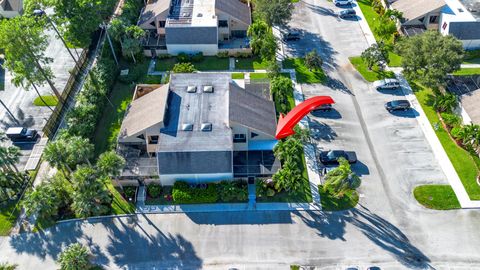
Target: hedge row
225, 191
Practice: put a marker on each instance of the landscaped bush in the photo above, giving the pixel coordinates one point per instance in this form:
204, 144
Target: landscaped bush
451, 120
242, 55
129, 192
222, 54
198, 57
183, 68
154, 190
183, 58
230, 191
182, 193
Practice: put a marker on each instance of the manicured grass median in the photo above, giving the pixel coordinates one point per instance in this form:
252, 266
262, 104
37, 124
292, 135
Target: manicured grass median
304, 75
439, 197
250, 63
463, 162
49, 101
369, 75
207, 64
330, 203
467, 71
8, 215
238, 76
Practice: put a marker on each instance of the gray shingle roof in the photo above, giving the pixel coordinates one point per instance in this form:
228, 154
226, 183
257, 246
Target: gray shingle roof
191, 35
236, 9
153, 9
465, 30
252, 111
195, 162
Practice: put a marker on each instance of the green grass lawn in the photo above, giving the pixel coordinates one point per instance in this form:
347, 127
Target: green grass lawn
49, 101
330, 203
467, 71
119, 205
439, 197
207, 64
259, 76
109, 125
250, 63
463, 162
238, 76
395, 60
304, 75
8, 215
369, 75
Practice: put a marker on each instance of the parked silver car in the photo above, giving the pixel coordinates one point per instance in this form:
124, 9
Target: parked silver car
386, 84
342, 2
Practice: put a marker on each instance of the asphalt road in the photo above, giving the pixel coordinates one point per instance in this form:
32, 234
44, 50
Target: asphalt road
389, 229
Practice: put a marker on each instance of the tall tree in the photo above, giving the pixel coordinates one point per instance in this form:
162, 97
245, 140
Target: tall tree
56, 154
274, 12
313, 61
79, 150
262, 40
385, 27
281, 87
375, 54
25, 44
110, 163
44, 200
74, 257
90, 195
341, 179
429, 57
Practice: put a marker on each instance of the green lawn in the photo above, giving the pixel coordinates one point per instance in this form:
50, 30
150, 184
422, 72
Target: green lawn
119, 205
371, 17
207, 64
463, 162
250, 63
330, 203
109, 125
467, 71
369, 75
472, 57
238, 76
259, 76
304, 75
49, 101
439, 197
8, 216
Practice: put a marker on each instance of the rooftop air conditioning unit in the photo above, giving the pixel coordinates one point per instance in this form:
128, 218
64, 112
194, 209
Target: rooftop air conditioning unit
208, 89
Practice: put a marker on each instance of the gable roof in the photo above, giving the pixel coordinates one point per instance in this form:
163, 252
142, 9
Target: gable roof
145, 112
153, 9
11, 5
252, 111
465, 30
236, 9
413, 9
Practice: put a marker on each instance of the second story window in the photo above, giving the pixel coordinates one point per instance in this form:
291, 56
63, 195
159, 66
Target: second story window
223, 23
239, 138
161, 24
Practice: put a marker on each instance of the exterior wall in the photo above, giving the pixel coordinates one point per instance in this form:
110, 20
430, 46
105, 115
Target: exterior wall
169, 180
157, 19
239, 129
9, 14
426, 20
206, 49
233, 52
154, 130
471, 44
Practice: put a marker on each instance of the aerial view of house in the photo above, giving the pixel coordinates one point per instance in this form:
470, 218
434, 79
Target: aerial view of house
191, 26
202, 127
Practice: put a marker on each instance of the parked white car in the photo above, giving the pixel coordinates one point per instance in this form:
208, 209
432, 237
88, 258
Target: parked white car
386, 84
342, 2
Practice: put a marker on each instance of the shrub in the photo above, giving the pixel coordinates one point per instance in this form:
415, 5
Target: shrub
456, 132
222, 54
451, 120
232, 191
198, 57
182, 193
129, 192
242, 55
74, 257
183, 58
183, 68
154, 190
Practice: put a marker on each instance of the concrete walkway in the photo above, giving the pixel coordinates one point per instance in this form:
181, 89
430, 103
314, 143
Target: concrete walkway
470, 66
438, 150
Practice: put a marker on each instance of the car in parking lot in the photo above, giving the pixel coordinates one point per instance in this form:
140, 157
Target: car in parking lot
342, 2
347, 13
323, 108
397, 105
331, 157
386, 84
291, 35
21, 134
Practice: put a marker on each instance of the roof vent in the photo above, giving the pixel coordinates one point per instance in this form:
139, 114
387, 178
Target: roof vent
460, 10
208, 89
199, 15
191, 89
206, 127
187, 127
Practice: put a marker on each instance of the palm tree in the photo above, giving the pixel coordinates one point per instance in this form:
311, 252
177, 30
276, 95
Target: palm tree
341, 179
445, 103
56, 154
74, 257
111, 164
90, 195
79, 150
43, 200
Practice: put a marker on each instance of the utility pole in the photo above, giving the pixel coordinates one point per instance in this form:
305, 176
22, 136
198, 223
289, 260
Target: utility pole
105, 26
9, 112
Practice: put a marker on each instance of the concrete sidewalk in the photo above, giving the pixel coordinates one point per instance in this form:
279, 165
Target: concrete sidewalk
427, 128
470, 66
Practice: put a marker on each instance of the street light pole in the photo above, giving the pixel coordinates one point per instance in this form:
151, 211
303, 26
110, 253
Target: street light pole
105, 26
40, 13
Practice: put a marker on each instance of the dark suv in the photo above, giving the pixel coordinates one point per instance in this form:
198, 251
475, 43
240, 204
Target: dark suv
347, 13
397, 105
21, 134
331, 157
292, 35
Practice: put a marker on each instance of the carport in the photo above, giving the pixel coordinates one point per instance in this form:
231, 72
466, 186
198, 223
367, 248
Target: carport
254, 163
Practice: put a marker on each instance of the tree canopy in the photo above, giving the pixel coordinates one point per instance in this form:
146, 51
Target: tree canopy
429, 57
274, 12
262, 40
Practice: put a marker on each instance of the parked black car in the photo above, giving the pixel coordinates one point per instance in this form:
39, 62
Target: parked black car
21, 134
347, 13
331, 157
292, 35
397, 105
